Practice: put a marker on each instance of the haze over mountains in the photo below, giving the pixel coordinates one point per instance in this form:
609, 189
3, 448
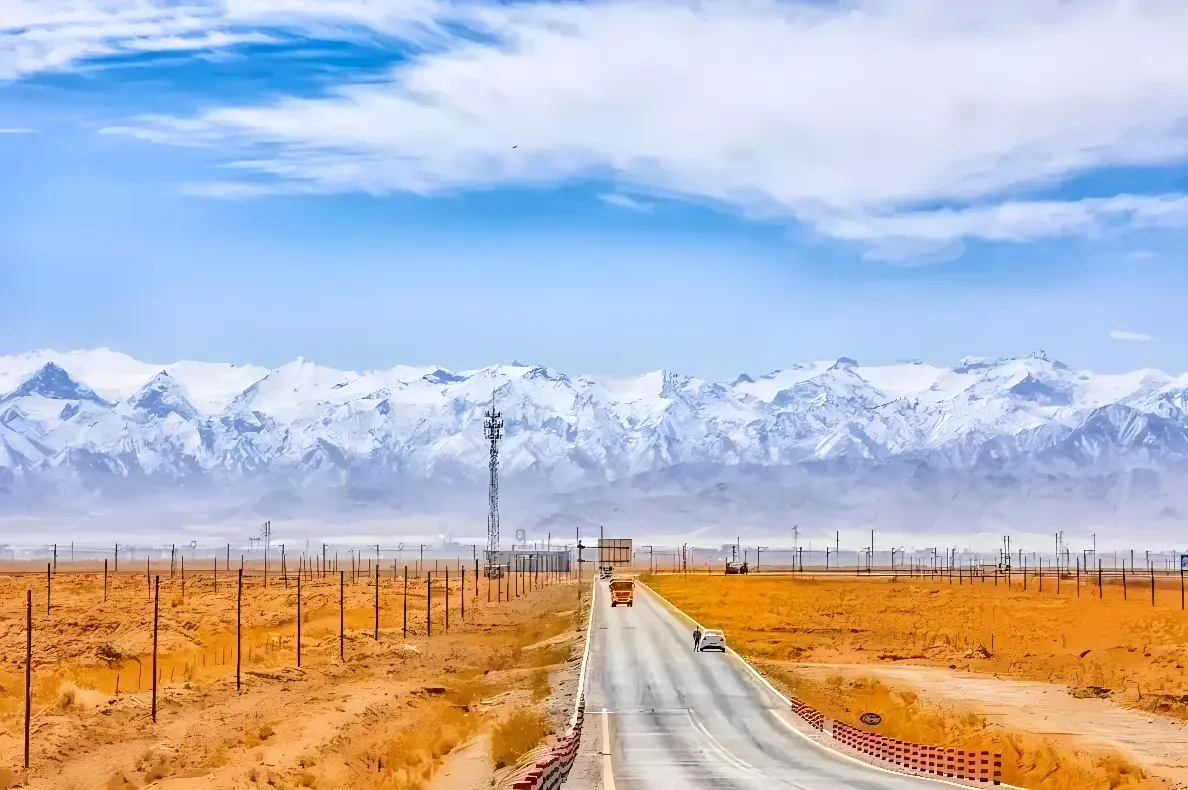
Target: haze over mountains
833, 444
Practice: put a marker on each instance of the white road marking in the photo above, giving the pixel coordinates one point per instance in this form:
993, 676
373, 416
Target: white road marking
793, 729
608, 769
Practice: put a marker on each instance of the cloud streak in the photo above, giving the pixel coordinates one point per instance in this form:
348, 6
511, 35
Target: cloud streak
627, 202
1010, 221
38, 36
1132, 337
754, 105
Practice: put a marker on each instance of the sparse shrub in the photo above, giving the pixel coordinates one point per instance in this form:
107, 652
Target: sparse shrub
66, 696
517, 735
540, 685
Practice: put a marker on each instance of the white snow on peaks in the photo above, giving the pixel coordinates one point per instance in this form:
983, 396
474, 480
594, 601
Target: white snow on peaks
117, 376
94, 417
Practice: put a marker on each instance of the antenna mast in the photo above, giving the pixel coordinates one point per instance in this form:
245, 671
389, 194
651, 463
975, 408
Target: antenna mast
493, 431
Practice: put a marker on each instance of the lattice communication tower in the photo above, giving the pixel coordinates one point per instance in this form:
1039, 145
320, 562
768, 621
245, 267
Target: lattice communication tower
493, 431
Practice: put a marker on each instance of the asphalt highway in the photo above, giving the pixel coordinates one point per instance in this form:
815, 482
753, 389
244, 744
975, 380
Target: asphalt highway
681, 720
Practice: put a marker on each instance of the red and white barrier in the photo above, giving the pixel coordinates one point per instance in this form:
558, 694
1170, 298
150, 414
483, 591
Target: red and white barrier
552, 768
980, 767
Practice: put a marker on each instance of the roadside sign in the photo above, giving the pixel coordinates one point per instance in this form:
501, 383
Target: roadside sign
871, 718
1184, 562
614, 551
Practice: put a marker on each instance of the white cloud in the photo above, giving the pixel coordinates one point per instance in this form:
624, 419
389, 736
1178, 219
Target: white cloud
54, 35
627, 202
1010, 221
1135, 337
17, 131
845, 118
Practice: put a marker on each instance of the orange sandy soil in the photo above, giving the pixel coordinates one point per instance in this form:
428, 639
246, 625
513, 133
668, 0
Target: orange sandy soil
925, 654
383, 718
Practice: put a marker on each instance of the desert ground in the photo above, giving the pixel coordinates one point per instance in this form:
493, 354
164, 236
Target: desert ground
1077, 692
457, 708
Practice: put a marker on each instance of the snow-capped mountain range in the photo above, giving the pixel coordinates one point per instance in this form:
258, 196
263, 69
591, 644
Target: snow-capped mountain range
101, 423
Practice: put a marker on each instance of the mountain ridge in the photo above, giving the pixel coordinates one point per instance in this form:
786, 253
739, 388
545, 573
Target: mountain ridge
89, 423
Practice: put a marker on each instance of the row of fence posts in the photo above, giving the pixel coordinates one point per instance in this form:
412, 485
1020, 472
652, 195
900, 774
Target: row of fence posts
1059, 573
523, 582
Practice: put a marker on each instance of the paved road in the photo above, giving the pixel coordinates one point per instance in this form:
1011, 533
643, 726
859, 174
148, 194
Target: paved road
682, 720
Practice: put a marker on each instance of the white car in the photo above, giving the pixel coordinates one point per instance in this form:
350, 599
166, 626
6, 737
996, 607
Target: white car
712, 639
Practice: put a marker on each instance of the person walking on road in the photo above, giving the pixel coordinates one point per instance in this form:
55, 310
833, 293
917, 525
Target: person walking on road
696, 638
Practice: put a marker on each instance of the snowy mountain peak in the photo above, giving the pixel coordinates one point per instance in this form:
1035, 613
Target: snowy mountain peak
163, 396
544, 374
974, 364
305, 424
1044, 393
440, 376
52, 382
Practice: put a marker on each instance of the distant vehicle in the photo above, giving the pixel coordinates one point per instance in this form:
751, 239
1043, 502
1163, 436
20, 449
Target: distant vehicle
622, 591
737, 567
712, 639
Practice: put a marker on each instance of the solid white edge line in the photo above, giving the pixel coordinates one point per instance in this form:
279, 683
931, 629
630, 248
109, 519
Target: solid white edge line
608, 767
581, 689
788, 702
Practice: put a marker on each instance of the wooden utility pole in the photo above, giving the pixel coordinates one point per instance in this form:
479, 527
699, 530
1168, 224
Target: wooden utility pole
28, 669
239, 631
299, 619
266, 533
156, 613
341, 618
405, 627
377, 599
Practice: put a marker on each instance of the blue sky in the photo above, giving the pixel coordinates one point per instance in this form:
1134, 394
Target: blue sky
602, 187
